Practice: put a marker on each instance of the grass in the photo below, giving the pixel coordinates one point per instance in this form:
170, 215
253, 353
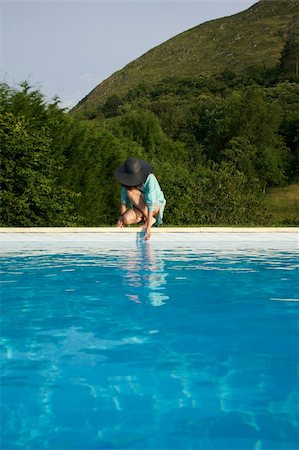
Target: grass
283, 204
252, 37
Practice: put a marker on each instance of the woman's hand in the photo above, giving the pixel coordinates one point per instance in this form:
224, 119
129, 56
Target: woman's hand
148, 224
147, 234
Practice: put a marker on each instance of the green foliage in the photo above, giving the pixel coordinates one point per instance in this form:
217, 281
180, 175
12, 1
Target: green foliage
243, 113
230, 198
289, 60
90, 172
30, 195
144, 128
243, 128
111, 106
219, 195
287, 95
176, 183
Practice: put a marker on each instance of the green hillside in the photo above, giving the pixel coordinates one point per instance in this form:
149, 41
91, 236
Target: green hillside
253, 37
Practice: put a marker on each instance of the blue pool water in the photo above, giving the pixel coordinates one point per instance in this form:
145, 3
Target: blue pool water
109, 342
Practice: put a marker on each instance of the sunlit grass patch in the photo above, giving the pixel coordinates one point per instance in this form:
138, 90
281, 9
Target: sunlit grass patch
283, 203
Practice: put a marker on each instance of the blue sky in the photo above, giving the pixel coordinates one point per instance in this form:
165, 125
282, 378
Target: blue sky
68, 47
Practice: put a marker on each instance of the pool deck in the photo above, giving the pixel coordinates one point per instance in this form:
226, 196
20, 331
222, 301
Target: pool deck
154, 230
35, 240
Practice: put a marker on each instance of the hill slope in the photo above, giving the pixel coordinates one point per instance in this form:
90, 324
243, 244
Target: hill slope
254, 36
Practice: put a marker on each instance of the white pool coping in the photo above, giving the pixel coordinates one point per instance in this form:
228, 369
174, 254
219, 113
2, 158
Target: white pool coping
99, 240
163, 230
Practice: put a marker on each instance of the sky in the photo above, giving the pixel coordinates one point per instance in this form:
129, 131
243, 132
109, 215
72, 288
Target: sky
66, 48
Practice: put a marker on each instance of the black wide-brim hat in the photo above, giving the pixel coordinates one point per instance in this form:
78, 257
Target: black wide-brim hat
134, 172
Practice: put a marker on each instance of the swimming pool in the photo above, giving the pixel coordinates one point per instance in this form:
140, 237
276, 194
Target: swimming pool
188, 341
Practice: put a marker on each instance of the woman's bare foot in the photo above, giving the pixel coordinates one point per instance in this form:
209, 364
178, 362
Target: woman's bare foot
120, 223
145, 226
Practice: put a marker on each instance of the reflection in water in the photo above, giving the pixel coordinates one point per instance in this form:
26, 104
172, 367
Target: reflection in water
144, 274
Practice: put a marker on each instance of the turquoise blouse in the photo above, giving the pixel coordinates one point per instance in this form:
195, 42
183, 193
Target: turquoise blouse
153, 195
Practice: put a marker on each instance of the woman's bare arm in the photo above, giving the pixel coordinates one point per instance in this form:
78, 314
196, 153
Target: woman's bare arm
123, 209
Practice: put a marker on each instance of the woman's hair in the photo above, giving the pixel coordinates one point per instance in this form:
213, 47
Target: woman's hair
128, 187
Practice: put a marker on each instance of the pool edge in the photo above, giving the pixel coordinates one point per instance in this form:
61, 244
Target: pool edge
154, 230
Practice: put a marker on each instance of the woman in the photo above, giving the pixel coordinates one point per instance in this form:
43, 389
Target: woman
141, 197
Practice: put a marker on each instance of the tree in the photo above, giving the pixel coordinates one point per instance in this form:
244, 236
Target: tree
144, 128
30, 195
228, 198
110, 108
242, 154
243, 128
289, 60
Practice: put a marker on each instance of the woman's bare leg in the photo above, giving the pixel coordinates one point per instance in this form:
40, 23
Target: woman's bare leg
131, 217
137, 199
